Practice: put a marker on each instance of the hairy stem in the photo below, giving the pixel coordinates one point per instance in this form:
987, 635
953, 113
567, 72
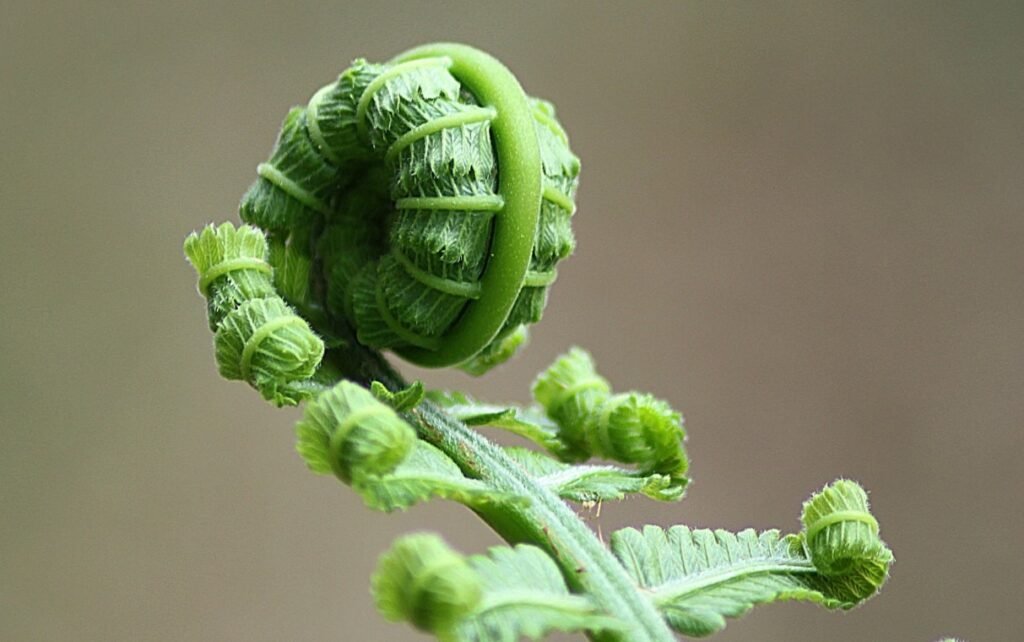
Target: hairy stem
546, 521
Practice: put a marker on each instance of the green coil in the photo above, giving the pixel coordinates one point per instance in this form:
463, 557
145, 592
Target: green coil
433, 198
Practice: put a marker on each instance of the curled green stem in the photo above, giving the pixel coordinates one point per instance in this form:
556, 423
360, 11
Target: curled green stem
520, 186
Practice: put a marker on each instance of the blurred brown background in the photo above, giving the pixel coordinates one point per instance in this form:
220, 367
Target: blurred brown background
800, 222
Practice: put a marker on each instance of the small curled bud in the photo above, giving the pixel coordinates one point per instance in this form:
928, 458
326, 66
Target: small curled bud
571, 393
633, 428
639, 429
841, 537
264, 343
425, 582
232, 267
348, 432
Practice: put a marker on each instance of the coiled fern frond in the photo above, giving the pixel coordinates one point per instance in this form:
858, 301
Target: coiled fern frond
436, 198
422, 206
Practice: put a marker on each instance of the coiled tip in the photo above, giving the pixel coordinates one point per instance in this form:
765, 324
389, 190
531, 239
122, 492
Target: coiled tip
348, 432
232, 267
640, 429
633, 428
841, 536
425, 582
265, 343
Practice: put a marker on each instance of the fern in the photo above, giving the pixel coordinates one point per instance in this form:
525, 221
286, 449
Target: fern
422, 206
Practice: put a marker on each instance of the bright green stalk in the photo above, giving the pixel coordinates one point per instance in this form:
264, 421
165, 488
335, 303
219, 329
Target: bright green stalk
519, 178
546, 521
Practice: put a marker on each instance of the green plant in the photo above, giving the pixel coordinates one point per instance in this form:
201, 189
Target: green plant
421, 206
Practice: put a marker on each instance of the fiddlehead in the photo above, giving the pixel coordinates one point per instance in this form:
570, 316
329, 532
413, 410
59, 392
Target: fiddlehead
842, 541
507, 595
436, 198
424, 581
347, 431
423, 205
633, 427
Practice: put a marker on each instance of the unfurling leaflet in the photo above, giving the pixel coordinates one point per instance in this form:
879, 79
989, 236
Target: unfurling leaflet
697, 577
507, 595
349, 432
425, 582
841, 537
633, 427
637, 428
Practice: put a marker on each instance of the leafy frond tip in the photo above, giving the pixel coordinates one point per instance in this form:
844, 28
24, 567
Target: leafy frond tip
698, 578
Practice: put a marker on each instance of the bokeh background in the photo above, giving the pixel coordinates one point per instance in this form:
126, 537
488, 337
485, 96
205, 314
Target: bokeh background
802, 223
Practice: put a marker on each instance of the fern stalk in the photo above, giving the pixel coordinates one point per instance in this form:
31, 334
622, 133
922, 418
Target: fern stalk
548, 522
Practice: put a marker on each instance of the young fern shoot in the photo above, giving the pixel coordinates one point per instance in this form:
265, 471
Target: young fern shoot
421, 206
